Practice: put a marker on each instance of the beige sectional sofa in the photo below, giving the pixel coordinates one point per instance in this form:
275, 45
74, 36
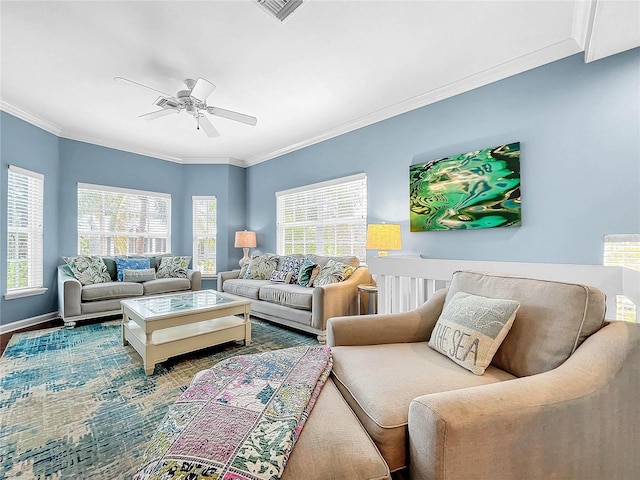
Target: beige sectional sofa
81, 302
559, 399
300, 307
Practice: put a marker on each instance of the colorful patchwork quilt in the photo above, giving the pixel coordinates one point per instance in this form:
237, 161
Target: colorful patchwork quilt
240, 419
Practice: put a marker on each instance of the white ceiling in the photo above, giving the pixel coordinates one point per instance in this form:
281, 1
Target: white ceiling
332, 67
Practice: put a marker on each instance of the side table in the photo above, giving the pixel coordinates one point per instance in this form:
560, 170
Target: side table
372, 291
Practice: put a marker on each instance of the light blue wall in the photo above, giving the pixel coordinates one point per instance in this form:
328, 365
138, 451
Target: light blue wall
579, 128
26, 146
578, 124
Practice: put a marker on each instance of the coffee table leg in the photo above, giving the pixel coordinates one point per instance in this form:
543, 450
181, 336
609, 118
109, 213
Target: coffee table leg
125, 320
247, 328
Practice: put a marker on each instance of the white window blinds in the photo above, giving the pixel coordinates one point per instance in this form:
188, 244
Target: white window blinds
204, 234
623, 250
25, 194
118, 221
328, 218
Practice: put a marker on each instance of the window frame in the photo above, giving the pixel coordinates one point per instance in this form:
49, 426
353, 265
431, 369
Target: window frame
197, 236
164, 236
34, 231
358, 220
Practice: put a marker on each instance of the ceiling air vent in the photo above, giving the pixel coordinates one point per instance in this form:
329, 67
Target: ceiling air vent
280, 9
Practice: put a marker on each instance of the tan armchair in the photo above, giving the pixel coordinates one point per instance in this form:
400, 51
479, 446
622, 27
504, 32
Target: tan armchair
559, 400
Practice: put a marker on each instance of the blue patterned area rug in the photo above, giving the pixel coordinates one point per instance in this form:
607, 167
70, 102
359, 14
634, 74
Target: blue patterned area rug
76, 404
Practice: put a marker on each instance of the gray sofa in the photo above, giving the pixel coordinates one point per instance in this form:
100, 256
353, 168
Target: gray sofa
81, 302
296, 306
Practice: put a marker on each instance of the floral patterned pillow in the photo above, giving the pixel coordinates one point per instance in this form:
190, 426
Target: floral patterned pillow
260, 267
88, 269
333, 272
173, 267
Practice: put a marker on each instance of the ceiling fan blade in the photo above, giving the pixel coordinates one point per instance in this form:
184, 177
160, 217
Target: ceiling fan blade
208, 128
158, 114
202, 89
126, 80
238, 117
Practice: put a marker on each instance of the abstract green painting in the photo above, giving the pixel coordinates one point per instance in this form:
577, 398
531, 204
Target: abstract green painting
473, 190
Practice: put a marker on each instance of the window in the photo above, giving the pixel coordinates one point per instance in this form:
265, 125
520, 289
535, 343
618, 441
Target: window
118, 221
25, 194
623, 250
328, 218
204, 234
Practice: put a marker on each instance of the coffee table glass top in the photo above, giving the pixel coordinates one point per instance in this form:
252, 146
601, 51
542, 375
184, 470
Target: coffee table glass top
183, 301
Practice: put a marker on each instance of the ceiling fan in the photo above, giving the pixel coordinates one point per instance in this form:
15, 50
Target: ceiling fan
193, 101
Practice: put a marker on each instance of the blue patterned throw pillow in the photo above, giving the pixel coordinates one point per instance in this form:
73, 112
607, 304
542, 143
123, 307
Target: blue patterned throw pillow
131, 263
291, 264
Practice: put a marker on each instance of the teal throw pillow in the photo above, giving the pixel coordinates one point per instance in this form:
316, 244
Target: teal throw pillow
305, 275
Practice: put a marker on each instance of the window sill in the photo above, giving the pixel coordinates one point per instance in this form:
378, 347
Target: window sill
209, 276
24, 292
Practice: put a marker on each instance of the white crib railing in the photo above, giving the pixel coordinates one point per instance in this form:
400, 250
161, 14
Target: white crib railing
405, 282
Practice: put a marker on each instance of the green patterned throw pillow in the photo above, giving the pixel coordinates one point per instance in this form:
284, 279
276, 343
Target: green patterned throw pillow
305, 275
88, 269
173, 267
471, 328
260, 267
333, 272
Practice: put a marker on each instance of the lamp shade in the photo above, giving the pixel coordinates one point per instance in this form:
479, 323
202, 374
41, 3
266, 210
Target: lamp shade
245, 239
383, 237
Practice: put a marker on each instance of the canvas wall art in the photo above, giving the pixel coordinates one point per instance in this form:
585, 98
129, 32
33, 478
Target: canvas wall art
473, 190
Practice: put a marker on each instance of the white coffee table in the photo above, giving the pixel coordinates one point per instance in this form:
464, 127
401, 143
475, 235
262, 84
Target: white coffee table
168, 325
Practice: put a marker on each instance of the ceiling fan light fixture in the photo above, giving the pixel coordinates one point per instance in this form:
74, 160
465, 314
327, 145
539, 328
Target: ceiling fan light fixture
280, 9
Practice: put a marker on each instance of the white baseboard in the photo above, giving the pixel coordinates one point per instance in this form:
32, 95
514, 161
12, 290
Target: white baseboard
28, 322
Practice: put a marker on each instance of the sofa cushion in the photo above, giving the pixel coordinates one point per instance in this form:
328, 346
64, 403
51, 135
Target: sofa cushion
380, 391
553, 320
278, 276
471, 328
88, 269
173, 267
306, 273
131, 263
291, 263
293, 296
260, 267
139, 275
244, 288
165, 285
333, 272
108, 290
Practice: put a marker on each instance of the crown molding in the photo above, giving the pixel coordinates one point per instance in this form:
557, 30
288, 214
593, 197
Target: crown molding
212, 161
501, 71
30, 118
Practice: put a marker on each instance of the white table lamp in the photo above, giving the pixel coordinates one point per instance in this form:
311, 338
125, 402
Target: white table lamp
245, 240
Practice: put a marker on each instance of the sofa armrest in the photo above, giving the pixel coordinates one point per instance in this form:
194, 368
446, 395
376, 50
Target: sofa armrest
579, 420
195, 277
337, 298
223, 276
69, 294
412, 326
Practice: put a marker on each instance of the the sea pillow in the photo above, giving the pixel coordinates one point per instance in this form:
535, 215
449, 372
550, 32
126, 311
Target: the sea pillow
131, 263
173, 267
471, 328
88, 269
333, 272
260, 267
305, 275
139, 275
278, 276
291, 264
